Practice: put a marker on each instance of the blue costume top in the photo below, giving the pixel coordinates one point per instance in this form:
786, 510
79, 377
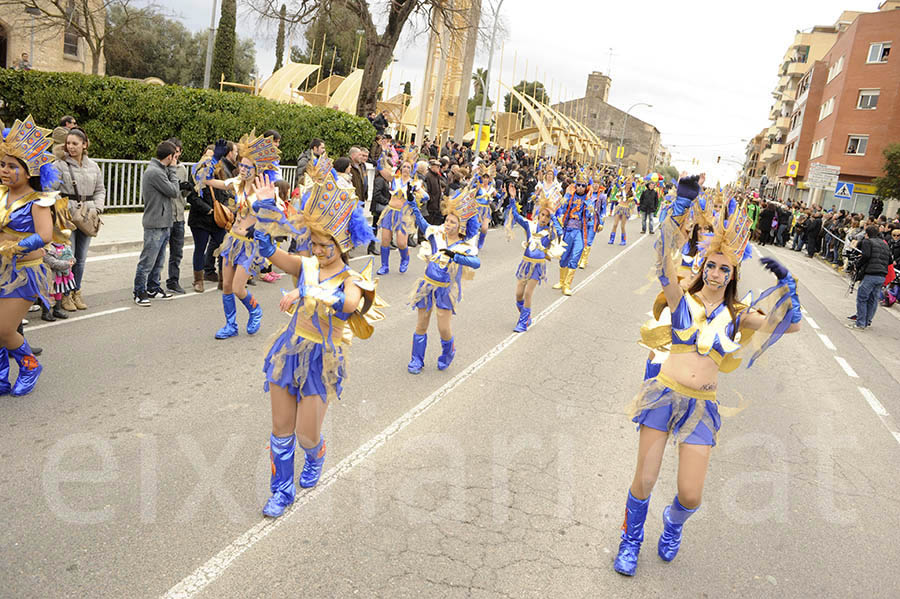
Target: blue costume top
23, 279
538, 240
574, 212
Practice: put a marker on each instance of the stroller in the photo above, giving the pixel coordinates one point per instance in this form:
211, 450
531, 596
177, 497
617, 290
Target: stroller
891, 293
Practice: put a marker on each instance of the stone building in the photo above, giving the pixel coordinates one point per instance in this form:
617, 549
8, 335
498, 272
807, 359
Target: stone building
642, 144
56, 48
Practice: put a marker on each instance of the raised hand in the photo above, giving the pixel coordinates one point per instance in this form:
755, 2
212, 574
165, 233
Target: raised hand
220, 150
776, 267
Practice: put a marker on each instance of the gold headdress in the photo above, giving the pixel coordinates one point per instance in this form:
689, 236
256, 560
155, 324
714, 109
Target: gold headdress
261, 150
330, 207
483, 170
462, 204
581, 176
542, 201
410, 156
29, 143
731, 232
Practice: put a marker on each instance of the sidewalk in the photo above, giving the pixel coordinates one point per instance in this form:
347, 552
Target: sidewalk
124, 233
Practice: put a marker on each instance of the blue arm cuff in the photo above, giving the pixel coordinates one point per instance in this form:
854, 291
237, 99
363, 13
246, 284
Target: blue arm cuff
32, 242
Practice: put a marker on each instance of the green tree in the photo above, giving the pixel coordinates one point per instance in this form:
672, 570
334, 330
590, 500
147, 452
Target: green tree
225, 44
407, 88
279, 41
888, 186
338, 25
478, 77
535, 89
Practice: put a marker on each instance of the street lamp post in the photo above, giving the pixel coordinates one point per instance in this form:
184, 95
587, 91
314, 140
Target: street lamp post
209, 47
33, 11
484, 94
625, 124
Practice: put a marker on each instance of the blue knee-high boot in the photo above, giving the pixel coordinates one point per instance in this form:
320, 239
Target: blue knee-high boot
312, 469
632, 535
281, 450
612, 237
5, 387
446, 357
29, 369
520, 305
524, 321
404, 259
253, 307
230, 329
385, 261
417, 362
674, 517
481, 238
623, 239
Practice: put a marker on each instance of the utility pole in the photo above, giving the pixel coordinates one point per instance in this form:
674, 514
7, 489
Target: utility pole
209, 46
485, 91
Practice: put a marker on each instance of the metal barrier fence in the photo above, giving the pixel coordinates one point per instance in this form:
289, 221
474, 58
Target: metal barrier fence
122, 179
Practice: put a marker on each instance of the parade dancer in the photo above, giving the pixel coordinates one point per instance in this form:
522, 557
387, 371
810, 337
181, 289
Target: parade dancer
483, 180
596, 206
30, 218
304, 366
574, 216
542, 244
549, 186
239, 251
397, 221
448, 253
622, 212
710, 331
616, 191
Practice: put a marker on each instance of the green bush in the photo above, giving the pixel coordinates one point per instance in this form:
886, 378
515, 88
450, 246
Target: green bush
127, 119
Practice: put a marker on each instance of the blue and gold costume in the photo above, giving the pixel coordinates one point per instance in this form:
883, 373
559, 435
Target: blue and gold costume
306, 357
447, 265
575, 217
26, 279
693, 415
484, 196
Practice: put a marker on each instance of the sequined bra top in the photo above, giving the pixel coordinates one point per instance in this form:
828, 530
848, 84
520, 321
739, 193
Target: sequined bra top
710, 336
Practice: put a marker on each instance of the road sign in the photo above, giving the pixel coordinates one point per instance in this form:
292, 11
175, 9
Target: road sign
843, 191
483, 118
620, 152
823, 176
550, 151
792, 168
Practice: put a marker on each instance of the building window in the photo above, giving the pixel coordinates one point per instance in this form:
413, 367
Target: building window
835, 69
71, 37
818, 148
878, 52
856, 144
827, 108
868, 99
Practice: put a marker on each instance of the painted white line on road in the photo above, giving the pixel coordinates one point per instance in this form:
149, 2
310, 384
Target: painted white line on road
812, 322
193, 293
846, 366
76, 319
896, 435
105, 257
873, 401
195, 582
826, 341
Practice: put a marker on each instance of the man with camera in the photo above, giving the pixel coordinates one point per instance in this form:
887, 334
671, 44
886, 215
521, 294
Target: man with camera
873, 268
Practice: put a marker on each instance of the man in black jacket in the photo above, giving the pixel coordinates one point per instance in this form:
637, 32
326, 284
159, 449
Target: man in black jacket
647, 206
434, 187
813, 230
381, 196
873, 269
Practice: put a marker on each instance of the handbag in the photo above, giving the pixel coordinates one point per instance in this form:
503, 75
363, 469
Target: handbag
83, 218
222, 215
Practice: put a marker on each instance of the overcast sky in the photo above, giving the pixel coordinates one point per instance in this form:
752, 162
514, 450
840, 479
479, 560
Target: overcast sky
708, 70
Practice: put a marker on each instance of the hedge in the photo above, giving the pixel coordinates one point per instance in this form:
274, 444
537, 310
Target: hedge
127, 119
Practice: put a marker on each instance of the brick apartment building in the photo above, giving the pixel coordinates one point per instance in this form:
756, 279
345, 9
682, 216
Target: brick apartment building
848, 111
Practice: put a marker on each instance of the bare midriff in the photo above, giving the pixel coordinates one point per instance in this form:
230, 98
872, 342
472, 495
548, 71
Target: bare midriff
692, 370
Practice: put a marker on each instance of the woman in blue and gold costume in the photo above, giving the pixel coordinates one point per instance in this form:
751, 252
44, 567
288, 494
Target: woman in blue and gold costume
621, 208
710, 332
397, 222
485, 193
29, 219
542, 244
240, 252
305, 364
450, 256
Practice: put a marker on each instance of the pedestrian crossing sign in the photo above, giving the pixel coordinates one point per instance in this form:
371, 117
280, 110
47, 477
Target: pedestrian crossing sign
844, 191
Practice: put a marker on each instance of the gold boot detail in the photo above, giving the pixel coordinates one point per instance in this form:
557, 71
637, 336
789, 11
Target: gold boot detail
562, 278
584, 257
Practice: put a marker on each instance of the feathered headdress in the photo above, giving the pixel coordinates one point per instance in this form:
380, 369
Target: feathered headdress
410, 156
261, 150
731, 233
542, 201
29, 143
581, 176
462, 204
484, 171
330, 207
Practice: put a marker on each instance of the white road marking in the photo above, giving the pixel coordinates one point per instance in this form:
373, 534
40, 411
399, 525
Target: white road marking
812, 322
193, 293
873, 401
76, 319
896, 435
105, 257
846, 366
195, 582
826, 341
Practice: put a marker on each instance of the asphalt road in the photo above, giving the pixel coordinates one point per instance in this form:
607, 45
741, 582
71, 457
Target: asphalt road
139, 466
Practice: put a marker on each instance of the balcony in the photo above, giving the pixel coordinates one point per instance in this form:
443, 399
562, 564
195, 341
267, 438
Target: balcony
797, 68
773, 153
783, 124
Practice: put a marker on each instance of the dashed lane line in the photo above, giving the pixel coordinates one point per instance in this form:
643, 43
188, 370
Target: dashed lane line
195, 582
879, 409
826, 341
846, 366
812, 322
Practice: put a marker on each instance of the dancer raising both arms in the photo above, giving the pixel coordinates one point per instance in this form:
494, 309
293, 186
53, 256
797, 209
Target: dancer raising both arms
397, 221
29, 219
542, 244
448, 254
304, 366
709, 333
